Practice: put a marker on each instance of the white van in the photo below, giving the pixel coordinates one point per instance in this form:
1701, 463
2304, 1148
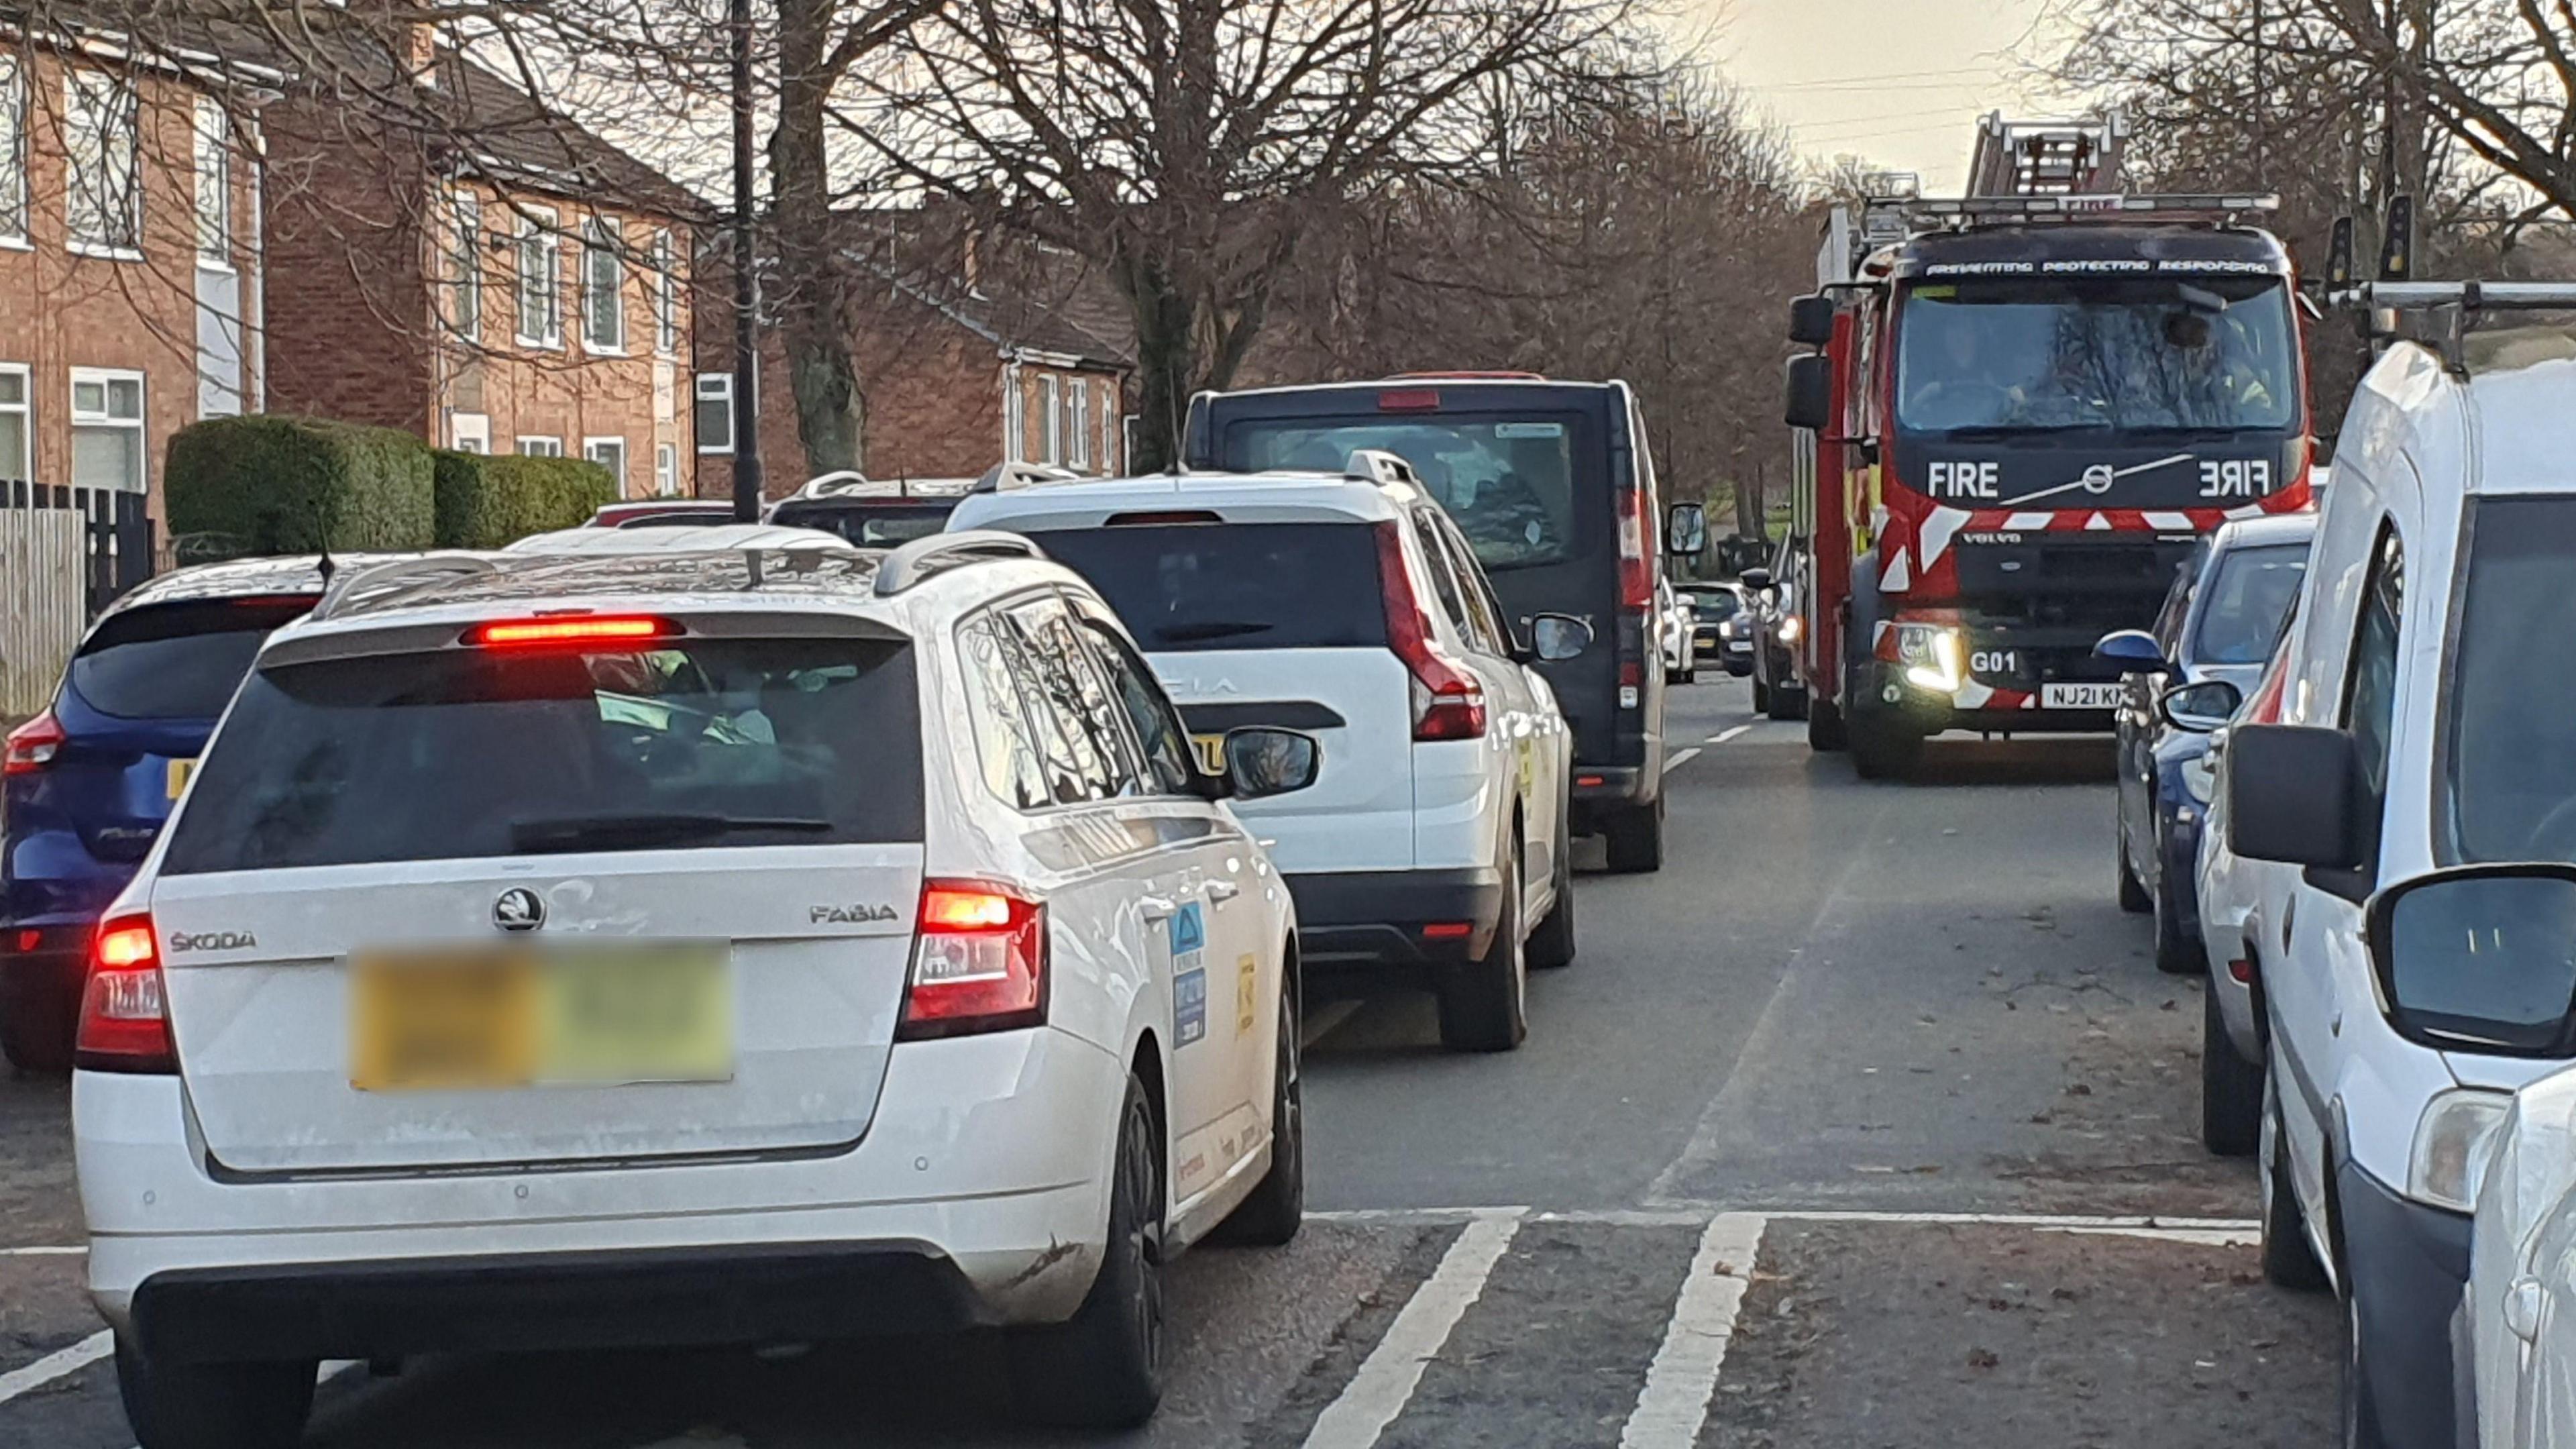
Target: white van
2413, 979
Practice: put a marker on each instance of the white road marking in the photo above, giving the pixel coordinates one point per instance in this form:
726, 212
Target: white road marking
1386, 1381
60, 1364
2176, 1229
1674, 1404
2245, 1237
43, 1252
1324, 1020
1684, 758
1722, 736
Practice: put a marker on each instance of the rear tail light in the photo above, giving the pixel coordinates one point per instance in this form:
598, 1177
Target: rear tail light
125, 1016
1448, 703
32, 746
1636, 563
539, 633
979, 962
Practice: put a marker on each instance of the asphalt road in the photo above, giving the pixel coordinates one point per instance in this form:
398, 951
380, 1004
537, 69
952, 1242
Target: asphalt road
1867, 1122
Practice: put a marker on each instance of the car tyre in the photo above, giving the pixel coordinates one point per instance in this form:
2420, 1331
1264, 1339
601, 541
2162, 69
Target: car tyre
2133, 897
2231, 1088
1785, 703
1270, 1217
2178, 948
1762, 697
1636, 839
1484, 1004
1825, 732
213, 1406
2358, 1400
1551, 945
30, 1046
2288, 1261
1103, 1368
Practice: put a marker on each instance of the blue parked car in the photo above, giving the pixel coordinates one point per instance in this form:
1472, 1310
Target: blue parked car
86, 785
2211, 640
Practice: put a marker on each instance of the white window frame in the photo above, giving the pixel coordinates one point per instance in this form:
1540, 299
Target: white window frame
1110, 462
1051, 404
465, 263
106, 378
13, 154
83, 125
666, 470
537, 239
590, 454
470, 432
1015, 419
603, 241
709, 387
1079, 424
666, 293
24, 410
537, 445
213, 180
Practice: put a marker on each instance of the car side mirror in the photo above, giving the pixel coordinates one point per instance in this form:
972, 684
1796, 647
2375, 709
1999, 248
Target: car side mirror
1811, 392
2199, 709
1555, 638
1685, 530
2480, 958
1811, 320
2135, 651
1261, 762
1758, 580
2295, 795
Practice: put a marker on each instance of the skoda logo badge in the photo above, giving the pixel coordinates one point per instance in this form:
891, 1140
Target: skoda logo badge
519, 909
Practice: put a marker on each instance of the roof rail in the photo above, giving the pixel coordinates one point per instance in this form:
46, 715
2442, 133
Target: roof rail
394, 577
1003, 477
1377, 465
923, 557
836, 482
2445, 308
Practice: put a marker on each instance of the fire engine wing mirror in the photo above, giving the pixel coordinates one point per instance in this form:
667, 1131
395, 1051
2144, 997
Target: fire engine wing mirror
1555, 638
1685, 530
1811, 321
1756, 579
2295, 794
2135, 651
2199, 709
1811, 392
2481, 958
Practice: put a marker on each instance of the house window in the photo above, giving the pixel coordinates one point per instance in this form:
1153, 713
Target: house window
1015, 427
540, 447
107, 430
17, 426
666, 294
1109, 462
1051, 405
13, 150
465, 266
214, 186
609, 453
470, 432
1080, 425
106, 199
540, 280
666, 470
715, 412
603, 309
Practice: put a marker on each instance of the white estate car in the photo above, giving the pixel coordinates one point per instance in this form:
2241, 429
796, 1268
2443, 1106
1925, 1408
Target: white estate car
2431, 679
685, 947
1432, 848
2519, 1316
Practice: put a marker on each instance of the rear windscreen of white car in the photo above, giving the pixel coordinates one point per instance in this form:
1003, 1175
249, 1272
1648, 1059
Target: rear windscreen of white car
471, 753
176, 661
1204, 586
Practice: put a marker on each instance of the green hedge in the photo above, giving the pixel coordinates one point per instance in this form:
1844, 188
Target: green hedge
485, 502
275, 484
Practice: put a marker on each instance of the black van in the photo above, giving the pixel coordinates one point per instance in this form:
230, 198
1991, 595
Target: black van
1552, 483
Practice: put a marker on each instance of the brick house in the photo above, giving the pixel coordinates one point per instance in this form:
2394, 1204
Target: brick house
131, 278
960, 371
491, 275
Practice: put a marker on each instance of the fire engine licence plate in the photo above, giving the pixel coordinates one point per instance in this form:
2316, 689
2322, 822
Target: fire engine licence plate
515, 1016
2079, 696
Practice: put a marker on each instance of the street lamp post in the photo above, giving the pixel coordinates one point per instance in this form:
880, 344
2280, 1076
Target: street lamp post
746, 284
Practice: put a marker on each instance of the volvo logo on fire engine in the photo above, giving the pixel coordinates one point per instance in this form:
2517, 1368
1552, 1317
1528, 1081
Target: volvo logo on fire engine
519, 909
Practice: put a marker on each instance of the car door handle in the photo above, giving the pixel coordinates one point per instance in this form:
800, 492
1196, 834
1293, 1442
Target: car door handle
1156, 909
1223, 890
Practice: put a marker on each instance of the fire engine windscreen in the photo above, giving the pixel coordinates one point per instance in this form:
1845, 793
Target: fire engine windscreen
2145, 354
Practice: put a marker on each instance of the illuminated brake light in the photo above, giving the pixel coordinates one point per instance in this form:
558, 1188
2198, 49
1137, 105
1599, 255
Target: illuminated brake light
32, 746
533, 633
1409, 400
979, 962
125, 1015
1448, 702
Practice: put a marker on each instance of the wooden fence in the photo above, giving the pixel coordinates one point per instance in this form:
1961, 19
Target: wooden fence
44, 601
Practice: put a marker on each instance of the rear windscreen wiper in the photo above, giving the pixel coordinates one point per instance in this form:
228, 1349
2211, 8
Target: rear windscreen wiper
1210, 629
588, 832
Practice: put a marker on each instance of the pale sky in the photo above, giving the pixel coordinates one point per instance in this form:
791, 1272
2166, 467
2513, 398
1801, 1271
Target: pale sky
1901, 82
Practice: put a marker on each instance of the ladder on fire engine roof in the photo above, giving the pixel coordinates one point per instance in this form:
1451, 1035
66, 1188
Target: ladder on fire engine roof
2047, 158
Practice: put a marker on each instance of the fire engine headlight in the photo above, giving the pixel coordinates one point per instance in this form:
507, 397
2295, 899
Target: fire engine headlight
1790, 628
1934, 656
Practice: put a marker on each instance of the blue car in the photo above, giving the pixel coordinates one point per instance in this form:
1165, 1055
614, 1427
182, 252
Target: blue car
2209, 645
87, 784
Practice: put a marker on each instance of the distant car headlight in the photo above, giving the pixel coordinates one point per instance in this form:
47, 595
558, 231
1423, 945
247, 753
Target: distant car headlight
2200, 776
1790, 628
2451, 1145
1934, 656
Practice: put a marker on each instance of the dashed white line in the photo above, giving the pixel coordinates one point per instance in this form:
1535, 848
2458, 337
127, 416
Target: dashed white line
1684, 758
42, 1252
1674, 1403
1722, 736
1686, 1215
60, 1364
1393, 1370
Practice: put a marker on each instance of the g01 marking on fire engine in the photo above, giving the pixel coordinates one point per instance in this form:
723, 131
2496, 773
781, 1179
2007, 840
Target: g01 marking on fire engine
1995, 661
2236, 478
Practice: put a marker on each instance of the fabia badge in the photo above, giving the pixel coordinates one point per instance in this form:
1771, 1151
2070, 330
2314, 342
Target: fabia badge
519, 909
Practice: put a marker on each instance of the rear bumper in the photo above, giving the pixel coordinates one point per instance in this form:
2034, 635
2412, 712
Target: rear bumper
1601, 791
712, 1295
1353, 917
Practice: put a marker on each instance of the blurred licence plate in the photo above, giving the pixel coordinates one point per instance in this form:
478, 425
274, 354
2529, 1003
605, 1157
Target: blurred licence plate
515, 1016
2079, 696
1211, 752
